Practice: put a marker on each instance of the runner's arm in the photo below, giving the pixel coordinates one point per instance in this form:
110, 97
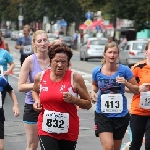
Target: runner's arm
23, 84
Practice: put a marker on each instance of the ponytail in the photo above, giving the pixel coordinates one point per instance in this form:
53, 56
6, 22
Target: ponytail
103, 61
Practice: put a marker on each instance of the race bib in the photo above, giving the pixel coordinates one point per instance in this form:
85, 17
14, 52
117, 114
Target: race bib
145, 100
27, 49
55, 122
111, 103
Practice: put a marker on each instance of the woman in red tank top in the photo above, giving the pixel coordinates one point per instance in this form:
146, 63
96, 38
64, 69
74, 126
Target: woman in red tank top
3, 44
58, 122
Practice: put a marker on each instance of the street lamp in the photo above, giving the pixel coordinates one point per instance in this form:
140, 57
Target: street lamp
20, 17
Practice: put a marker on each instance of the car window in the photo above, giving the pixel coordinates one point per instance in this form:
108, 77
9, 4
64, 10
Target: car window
127, 47
67, 38
98, 42
51, 36
139, 46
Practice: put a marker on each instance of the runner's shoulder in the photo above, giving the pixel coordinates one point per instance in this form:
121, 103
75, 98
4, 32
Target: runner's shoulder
139, 65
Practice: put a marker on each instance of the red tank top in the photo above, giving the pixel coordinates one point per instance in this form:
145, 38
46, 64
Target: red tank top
51, 97
2, 45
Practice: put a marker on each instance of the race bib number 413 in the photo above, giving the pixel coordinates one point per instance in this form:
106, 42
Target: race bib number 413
55, 122
111, 103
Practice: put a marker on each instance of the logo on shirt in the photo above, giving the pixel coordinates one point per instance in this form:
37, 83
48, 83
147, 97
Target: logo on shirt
44, 89
62, 88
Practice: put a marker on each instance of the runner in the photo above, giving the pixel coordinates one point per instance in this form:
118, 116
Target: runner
109, 81
24, 44
140, 106
32, 65
59, 87
5, 86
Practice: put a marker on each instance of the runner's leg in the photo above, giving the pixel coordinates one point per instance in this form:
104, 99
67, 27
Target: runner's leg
137, 124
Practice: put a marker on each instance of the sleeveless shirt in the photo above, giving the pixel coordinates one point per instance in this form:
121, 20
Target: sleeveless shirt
51, 97
2, 45
35, 69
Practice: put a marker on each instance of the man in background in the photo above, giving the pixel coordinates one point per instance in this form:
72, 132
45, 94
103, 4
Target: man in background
24, 44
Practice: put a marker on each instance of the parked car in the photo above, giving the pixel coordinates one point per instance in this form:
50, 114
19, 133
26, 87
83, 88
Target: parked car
93, 48
51, 37
133, 52
3, 32
68, 40
13, 35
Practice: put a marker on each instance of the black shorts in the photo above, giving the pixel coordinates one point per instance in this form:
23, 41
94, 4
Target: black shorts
2, 130
117, 126
30, 116
50, 143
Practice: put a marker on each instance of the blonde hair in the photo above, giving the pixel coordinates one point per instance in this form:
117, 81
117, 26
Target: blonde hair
109, 45
34, 37
58, 41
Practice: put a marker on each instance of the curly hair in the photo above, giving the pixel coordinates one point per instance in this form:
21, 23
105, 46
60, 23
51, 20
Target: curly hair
59, 48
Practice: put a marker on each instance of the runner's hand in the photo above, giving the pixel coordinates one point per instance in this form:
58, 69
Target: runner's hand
144, 87
21, 47
93, 97
37, 106
68, 97
121, 80
16, 110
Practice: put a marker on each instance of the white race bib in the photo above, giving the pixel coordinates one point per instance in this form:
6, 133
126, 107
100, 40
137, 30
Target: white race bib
27, 49
145, 100
111, 103
55, 122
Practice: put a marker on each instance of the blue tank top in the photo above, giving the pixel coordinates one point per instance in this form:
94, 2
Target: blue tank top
35, 69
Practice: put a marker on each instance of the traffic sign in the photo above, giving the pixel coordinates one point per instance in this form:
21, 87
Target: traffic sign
98, 27
88, 22
20, 17
62, 22
88, 15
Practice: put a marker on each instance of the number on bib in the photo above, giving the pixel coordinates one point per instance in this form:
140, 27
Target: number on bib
27, 49
55, 122
111, 103
145, 100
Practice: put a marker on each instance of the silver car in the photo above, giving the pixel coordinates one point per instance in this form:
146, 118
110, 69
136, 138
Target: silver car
133, 52
93, 48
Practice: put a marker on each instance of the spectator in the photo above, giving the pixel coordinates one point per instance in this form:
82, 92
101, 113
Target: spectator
85, 37
3, 44
75, 40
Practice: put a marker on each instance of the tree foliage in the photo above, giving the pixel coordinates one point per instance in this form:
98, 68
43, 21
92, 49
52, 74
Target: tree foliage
74, 10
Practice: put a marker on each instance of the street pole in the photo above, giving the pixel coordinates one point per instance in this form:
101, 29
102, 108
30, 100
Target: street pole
20, 14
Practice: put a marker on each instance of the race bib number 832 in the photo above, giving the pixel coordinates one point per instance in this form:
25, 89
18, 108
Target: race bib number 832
55, 122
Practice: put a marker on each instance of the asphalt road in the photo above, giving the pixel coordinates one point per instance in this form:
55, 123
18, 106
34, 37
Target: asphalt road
15, 138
